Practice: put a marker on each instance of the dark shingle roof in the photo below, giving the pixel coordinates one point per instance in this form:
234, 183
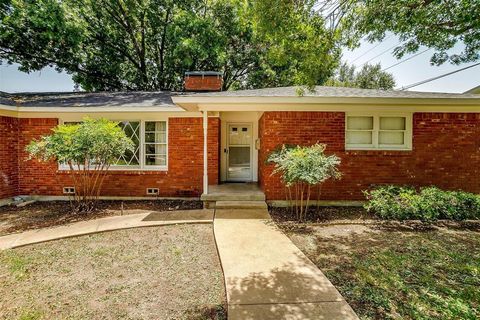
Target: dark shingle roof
5, 99
164, 98
321, 91
92, 99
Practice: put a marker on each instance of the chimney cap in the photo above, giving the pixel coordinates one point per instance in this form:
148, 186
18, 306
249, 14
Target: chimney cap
203, 73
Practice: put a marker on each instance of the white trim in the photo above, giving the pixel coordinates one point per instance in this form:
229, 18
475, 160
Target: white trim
238, 117
306, 103
255, 103
408, 132
142, 148
205, 152
227, 145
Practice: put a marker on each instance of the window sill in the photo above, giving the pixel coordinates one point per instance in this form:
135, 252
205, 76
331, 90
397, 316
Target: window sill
377, 149
124, 169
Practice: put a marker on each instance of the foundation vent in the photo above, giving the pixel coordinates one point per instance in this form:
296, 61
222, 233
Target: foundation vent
68, 190
153, 192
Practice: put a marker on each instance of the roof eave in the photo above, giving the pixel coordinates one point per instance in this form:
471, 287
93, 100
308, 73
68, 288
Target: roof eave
199, 103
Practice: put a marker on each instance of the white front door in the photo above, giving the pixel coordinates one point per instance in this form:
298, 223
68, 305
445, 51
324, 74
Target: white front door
239, 152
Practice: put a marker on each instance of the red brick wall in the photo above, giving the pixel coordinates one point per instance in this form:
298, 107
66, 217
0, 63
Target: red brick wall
203, 83
446, 153
8, 157
183, 178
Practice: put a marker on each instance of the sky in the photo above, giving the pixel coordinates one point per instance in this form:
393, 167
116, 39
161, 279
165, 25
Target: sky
411, 71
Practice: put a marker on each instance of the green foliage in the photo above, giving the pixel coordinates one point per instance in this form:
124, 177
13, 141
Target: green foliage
369, 77
301, 168
300, 49
149, 44
428, 204
440, 25
94, 143
305, 164
88, 148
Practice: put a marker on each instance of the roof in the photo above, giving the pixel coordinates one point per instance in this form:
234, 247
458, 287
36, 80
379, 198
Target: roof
90, 99
134, 101
333, 92
5, 99
475, 90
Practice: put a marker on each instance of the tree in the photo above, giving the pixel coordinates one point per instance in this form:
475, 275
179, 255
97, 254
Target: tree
88, 148
149, 44
369, 77
303, 168
301, 50
440, 25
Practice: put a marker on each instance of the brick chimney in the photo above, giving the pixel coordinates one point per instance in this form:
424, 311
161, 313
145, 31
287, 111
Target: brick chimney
203, 81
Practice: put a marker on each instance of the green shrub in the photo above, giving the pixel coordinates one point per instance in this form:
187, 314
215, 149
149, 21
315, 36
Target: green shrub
303, 168
427, 204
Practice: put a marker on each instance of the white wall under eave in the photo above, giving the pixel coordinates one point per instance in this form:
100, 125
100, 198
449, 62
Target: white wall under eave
238, 117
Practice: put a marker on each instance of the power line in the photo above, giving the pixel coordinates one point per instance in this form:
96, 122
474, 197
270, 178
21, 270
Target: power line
405, 60
381, 54
371, 49
437, 77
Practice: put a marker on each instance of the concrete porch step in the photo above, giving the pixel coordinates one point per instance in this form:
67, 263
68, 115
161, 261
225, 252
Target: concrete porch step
257, 196
233, 192
240, 205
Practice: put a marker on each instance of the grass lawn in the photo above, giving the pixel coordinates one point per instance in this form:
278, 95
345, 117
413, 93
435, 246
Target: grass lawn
395, 272
170, 272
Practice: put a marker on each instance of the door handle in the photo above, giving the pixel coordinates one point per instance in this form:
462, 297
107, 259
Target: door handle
225, 150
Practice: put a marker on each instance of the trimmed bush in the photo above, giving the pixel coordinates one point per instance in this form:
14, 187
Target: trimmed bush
427, 204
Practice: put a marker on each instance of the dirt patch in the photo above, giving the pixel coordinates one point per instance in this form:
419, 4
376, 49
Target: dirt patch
170, 272
397, 272
53, 213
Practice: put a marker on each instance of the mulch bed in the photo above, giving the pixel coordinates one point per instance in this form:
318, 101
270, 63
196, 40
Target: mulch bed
321, 214
54, 213
285, 217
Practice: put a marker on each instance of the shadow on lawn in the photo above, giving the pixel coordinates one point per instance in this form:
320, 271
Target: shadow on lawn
385, 270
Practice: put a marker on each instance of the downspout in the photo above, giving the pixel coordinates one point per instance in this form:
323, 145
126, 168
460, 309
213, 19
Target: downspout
205, 152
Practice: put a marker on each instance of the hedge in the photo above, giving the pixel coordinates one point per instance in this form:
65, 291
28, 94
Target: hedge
426, 204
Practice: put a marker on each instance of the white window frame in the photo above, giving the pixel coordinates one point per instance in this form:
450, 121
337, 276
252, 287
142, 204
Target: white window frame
143, 144
142, 166
408, 134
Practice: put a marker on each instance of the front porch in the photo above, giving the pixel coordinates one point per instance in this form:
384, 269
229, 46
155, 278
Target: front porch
234, 195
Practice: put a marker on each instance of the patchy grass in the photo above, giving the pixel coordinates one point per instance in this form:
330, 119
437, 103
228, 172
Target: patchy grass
170, 272
54, 213
398, 272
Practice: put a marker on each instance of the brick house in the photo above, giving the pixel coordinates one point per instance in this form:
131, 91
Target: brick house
397, 137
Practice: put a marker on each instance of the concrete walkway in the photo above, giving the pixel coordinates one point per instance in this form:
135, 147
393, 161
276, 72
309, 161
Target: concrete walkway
267, 277
146, 219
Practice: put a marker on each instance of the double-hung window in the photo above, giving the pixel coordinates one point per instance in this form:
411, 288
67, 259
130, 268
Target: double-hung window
378, 132
150, 145
155, 154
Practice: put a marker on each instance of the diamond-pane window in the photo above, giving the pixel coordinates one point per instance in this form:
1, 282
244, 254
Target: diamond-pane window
132, 130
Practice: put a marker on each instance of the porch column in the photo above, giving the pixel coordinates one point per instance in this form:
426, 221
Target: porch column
205, 152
